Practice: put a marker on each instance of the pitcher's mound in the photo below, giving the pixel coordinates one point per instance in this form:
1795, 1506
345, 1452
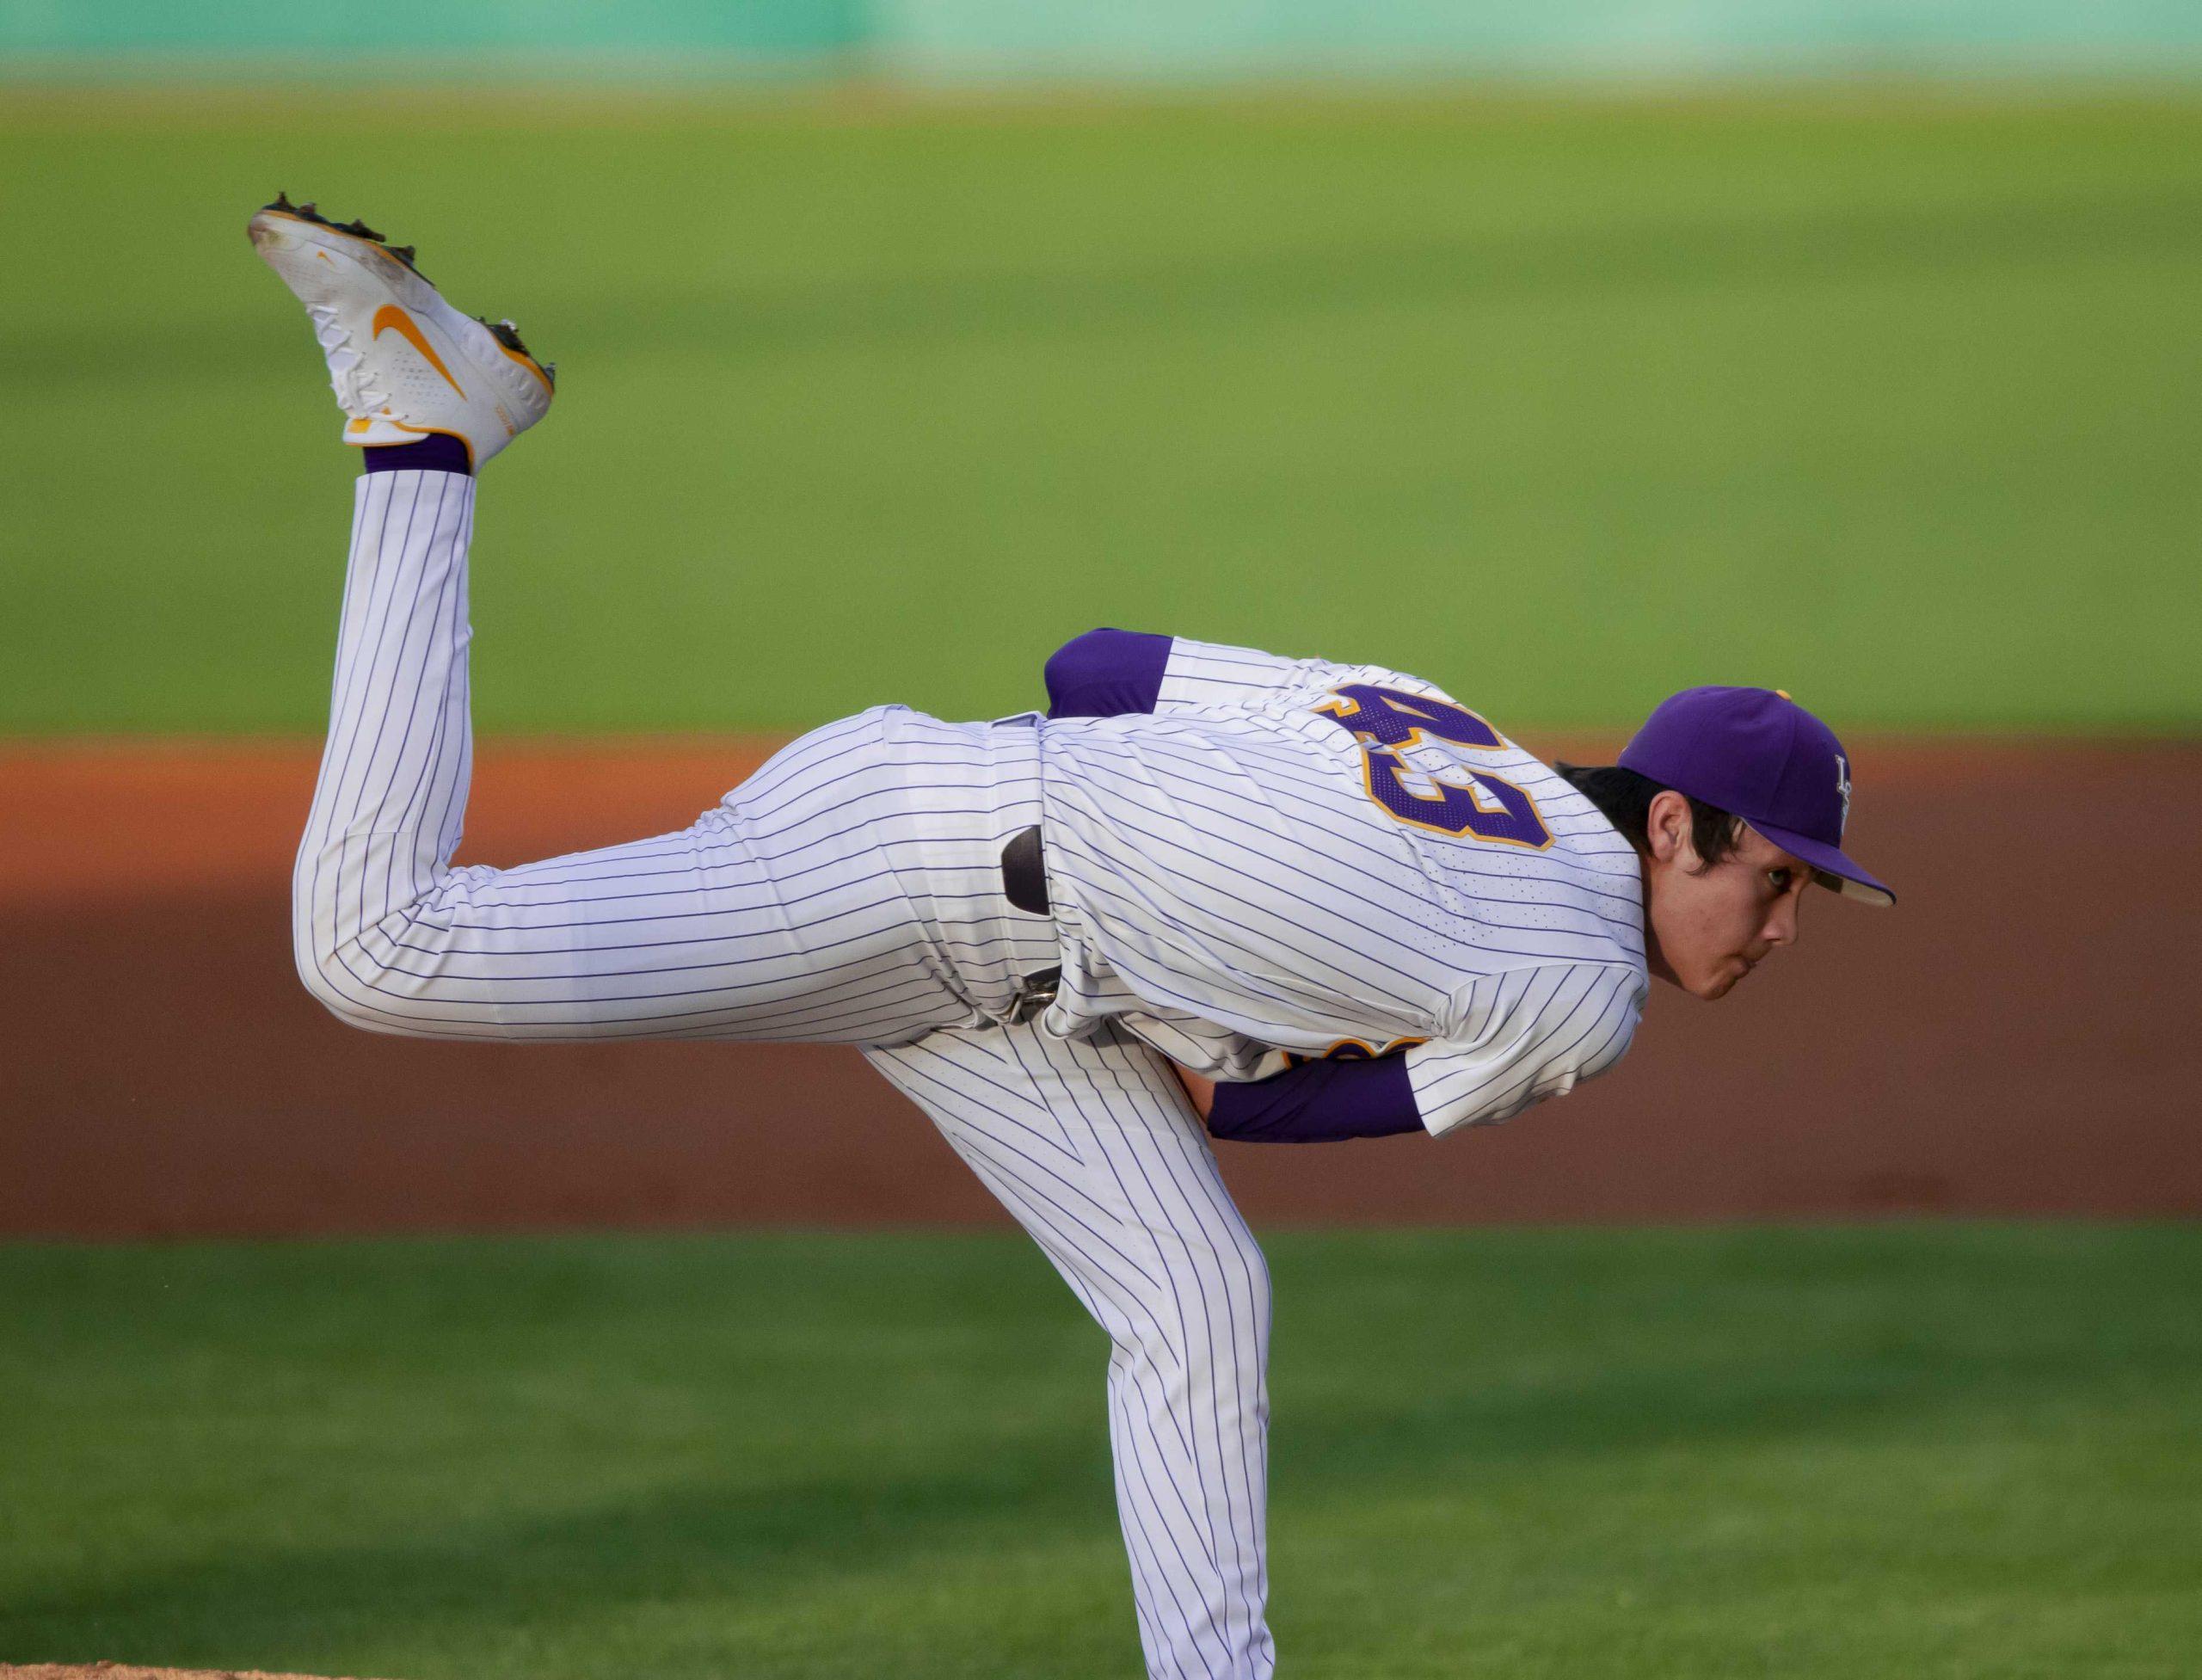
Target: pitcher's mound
124, 1671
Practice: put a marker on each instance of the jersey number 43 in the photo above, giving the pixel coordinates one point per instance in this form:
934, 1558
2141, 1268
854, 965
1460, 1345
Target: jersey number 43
1386, 723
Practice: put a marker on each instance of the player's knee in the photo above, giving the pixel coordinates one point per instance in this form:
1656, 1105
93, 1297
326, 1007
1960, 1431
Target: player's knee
1228, 1269
341, 977
322, 974
329, 983
1243, 1275
1256, 1271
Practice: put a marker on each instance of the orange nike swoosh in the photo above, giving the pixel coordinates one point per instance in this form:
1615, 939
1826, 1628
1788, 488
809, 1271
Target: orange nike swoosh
391, 318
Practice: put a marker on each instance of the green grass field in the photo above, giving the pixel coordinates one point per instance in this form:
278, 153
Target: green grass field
1946, 1451
1888, 397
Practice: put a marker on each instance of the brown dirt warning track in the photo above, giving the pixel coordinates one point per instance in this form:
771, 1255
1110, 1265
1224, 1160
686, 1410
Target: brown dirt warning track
2021, 1035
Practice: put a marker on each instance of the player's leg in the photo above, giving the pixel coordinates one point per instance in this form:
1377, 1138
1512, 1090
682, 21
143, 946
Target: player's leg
828, 898
781, 915
1093, 1147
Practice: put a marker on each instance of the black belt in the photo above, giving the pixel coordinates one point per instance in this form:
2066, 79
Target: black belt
1024, 883
1025, 872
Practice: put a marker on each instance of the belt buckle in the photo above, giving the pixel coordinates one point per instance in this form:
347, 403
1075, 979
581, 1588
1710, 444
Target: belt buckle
1035, 992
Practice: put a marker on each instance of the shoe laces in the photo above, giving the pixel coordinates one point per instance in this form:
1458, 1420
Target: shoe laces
357, 393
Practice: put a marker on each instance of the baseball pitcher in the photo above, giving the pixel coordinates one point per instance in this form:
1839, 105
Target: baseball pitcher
1209, 892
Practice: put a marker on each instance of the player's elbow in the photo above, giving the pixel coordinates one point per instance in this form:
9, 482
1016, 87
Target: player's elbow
1523, 1085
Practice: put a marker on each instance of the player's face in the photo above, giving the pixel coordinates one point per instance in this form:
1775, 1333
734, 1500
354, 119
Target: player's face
1710, 926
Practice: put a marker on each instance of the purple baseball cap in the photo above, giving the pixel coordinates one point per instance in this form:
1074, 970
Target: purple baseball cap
1756, 754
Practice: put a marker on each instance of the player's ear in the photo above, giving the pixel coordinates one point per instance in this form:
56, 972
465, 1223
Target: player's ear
1667, 829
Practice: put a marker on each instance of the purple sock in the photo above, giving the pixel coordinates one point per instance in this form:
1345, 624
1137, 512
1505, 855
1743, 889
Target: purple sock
437, 453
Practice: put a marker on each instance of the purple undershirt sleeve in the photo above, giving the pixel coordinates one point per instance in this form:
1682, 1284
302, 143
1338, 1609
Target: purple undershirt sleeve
1319, 1102
1105, 673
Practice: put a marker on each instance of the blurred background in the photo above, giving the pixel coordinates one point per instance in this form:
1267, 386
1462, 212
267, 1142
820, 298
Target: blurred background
1566, 355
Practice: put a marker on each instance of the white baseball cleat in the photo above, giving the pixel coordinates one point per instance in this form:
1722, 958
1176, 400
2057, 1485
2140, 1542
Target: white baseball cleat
404, 363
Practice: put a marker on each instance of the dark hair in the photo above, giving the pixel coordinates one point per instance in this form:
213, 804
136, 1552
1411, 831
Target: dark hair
1624, 798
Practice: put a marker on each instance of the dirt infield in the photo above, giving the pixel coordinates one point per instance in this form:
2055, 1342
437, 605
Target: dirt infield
2018, 1037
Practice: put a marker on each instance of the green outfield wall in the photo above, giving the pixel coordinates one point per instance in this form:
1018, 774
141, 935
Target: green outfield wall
985, 37
1637, 36
767, 28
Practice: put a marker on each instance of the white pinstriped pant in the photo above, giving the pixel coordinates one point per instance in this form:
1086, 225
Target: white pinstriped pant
848, 892
1091, 1145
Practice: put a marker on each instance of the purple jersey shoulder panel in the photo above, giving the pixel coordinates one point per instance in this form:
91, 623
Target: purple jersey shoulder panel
1319, 1102
1106, 673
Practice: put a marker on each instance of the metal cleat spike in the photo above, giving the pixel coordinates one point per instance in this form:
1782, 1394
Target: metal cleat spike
403, 253
311, 211
359, 230
282, 203
508, 336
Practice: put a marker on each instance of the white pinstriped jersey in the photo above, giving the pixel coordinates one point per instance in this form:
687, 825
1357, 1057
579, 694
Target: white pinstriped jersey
1301, 857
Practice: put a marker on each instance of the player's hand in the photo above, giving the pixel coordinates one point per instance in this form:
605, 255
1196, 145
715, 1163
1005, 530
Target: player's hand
1201, 1091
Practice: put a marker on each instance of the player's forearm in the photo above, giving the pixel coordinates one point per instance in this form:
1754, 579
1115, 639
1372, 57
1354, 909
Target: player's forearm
1318, 1102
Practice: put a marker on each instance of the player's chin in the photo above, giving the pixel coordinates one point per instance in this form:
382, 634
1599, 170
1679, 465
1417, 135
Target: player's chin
1722, 980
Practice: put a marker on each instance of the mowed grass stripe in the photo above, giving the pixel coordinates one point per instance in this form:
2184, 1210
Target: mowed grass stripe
1948, 1449
1890, 400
